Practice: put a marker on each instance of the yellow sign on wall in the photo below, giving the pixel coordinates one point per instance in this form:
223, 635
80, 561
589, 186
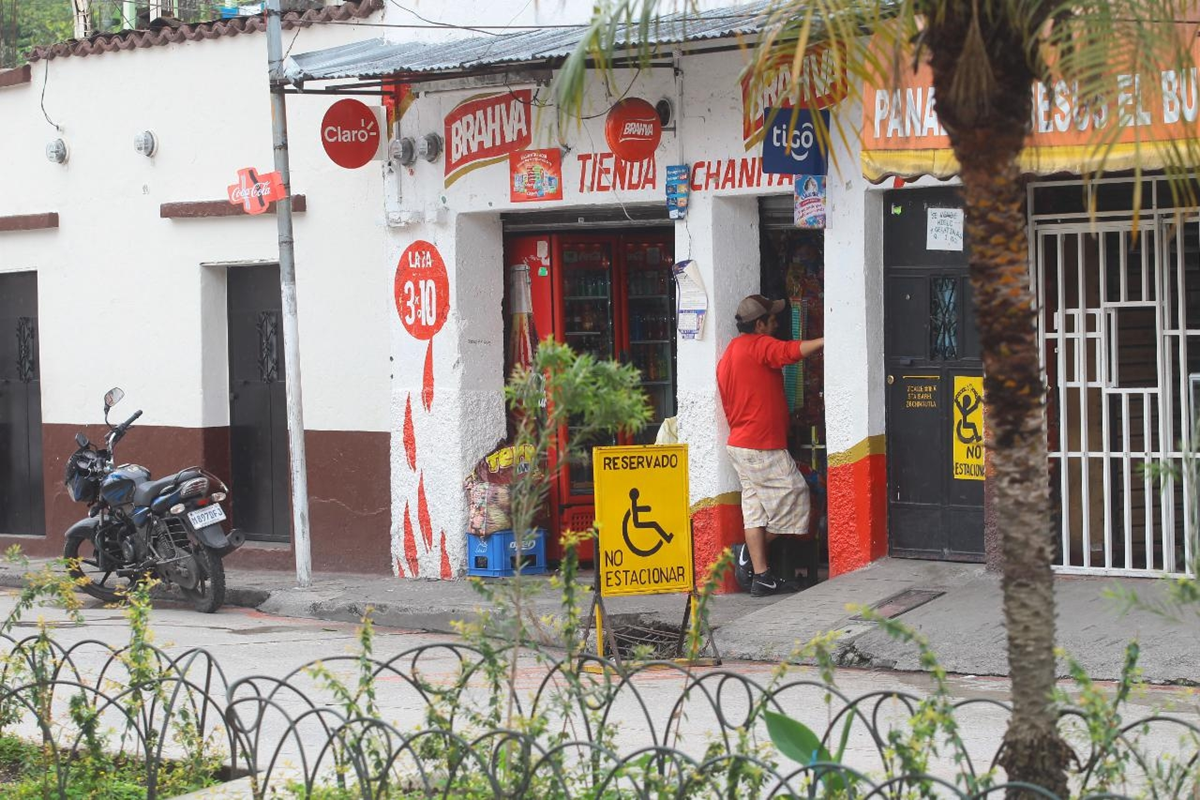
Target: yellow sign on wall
645, 538
966, 423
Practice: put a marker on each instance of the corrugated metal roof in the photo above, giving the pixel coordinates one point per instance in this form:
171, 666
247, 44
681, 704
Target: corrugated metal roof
378, 58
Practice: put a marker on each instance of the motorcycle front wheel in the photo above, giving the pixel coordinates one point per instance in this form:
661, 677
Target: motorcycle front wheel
209, 594
84, 568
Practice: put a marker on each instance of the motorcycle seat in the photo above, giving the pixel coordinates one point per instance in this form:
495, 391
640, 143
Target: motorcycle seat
146, 492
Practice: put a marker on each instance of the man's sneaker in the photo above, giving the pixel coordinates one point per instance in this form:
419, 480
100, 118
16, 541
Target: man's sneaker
743, 571
767, 584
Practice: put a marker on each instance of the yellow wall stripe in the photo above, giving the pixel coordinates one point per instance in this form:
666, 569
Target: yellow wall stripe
870, 446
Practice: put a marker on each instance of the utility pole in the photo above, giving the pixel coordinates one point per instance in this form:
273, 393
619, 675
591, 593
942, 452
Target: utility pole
287, 281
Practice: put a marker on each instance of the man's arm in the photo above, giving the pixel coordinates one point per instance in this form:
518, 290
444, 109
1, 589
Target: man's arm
810, 346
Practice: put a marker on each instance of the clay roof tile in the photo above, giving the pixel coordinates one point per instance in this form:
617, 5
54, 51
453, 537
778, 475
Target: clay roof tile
134, 39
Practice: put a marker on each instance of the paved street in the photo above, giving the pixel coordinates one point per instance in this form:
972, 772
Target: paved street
247, 643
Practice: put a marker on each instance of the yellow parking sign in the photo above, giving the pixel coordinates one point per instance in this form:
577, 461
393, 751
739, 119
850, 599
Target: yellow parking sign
645, 538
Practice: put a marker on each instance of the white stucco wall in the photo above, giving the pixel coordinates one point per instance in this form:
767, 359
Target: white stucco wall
115, 275
721, 233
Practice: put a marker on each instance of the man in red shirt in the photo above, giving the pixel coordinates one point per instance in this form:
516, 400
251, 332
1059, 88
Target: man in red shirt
774, 495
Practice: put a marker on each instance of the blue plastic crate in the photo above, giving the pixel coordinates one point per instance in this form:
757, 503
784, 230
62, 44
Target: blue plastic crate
495, 556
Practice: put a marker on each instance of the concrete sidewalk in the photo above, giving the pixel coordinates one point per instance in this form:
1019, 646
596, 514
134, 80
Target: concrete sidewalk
963, 624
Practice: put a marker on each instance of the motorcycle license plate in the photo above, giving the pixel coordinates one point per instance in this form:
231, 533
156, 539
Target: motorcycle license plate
206, 516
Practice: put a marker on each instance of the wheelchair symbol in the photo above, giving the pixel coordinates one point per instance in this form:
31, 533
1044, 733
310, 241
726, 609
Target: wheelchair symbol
634, 514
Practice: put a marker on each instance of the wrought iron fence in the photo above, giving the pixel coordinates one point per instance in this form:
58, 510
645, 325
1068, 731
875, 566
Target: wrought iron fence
569, 728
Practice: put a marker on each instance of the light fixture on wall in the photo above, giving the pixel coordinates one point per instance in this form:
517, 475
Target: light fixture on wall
430, 147
403, 151
56, 151
665, 110
145, 143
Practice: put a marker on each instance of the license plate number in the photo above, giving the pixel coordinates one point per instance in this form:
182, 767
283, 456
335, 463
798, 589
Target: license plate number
206, 516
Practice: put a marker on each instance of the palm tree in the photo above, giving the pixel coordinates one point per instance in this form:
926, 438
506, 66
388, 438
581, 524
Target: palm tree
984, 56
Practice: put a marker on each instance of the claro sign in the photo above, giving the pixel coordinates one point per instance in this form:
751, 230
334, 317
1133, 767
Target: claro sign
484, 129
350, 133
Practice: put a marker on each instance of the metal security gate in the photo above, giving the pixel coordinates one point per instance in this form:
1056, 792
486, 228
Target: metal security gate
22, 505
258, 443
1119, 330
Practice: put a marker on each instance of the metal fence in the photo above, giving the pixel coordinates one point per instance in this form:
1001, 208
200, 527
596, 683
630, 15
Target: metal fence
577, 728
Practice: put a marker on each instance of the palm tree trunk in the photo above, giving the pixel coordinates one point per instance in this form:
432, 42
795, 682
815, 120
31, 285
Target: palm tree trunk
1014, 400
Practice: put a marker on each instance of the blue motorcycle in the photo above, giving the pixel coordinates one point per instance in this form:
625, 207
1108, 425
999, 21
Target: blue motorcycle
138, 528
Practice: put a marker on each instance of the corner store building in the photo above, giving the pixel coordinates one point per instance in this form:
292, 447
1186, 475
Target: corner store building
463, 210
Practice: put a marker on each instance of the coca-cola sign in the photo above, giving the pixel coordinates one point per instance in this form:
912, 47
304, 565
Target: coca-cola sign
633, 129
255, 191
350, 133
484, 129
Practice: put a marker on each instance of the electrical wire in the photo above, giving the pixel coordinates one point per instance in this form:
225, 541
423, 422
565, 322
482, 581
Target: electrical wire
45, 82
436, 24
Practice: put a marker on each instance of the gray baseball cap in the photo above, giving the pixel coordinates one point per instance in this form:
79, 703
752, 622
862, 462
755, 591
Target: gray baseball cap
756, 306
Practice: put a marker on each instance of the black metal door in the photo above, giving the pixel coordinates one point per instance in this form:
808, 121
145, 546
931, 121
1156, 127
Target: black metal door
934, 376
258, 445
22, 504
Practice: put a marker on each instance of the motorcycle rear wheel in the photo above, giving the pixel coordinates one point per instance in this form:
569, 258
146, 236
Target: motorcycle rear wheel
82, 556
209, 594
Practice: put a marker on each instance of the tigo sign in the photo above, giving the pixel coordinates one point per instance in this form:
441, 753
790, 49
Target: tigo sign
633, 130
484, 129
791, 145
645, 544
350, 133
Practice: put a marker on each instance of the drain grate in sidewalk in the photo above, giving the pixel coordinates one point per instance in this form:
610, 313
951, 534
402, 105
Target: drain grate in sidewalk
897, 604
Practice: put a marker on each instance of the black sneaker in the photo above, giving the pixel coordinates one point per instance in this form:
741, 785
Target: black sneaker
743, 570
767, 584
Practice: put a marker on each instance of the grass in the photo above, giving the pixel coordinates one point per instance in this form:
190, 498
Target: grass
25, 774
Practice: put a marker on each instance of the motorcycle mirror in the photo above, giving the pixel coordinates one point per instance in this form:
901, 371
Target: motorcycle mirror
81, 440
113, 397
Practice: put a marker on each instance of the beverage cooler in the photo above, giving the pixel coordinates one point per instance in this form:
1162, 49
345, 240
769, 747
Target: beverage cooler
610, 295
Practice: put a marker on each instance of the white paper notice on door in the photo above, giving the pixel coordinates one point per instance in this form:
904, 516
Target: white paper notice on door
692, 300
944, 229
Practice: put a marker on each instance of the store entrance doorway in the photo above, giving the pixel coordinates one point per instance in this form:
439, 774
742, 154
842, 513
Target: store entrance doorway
258, 437
934, 374
606, 293
22, 503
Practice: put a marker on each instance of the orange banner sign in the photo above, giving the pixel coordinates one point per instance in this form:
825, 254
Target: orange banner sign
902, 135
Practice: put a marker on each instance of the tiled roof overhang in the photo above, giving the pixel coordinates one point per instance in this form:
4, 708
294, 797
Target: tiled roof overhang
133, 39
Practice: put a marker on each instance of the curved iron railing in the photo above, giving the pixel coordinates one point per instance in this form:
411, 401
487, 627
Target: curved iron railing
577, 728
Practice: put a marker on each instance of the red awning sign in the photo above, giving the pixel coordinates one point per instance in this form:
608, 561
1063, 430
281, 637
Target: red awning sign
350, 133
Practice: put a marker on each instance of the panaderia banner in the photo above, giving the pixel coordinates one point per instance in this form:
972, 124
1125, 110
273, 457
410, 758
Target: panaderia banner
1142, 116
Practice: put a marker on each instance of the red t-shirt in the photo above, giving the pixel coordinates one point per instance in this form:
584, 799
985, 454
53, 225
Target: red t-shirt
750, 377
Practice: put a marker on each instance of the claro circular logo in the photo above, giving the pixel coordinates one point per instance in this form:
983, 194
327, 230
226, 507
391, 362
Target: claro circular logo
350, 133
633, 129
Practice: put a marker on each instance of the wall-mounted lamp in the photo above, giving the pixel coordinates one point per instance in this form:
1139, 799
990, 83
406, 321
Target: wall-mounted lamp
403, 151
146, 143
56, 151
665, 111
430, 147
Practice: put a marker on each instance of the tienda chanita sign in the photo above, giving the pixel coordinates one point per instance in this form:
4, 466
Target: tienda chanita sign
484, 129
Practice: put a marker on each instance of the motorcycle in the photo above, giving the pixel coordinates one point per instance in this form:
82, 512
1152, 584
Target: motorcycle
136, 527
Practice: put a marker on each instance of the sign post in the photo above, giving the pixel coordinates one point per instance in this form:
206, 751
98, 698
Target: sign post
644, 527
